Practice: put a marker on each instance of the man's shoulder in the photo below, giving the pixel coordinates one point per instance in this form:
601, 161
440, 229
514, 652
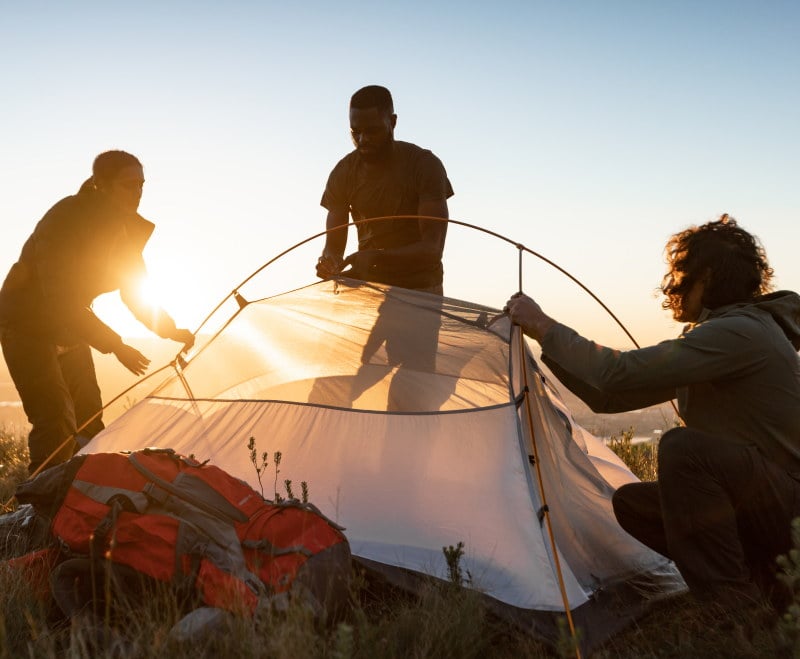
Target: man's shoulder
409, 149
418, 159
400, 150
343, 167
347, 160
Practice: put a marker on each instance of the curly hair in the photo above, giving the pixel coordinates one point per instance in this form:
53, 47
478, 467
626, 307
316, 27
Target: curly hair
730, 260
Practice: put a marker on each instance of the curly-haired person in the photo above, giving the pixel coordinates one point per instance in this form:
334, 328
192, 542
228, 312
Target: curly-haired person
729, 479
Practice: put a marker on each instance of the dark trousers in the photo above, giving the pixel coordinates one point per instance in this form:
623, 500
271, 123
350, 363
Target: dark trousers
720, 510
59, 393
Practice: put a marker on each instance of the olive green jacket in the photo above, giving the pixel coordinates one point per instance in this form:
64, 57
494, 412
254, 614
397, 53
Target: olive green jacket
735, 373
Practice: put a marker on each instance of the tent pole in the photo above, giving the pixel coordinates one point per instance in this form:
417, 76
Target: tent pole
179, 373
545, 509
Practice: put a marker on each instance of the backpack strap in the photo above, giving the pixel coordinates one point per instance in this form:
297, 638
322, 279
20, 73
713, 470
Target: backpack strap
97, 546
215, 521
195, 491
130, 500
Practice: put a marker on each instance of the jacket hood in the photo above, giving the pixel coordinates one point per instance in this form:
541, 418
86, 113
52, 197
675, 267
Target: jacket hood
783, 306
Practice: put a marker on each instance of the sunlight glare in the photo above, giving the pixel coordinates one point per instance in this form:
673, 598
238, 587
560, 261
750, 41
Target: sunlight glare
158, 291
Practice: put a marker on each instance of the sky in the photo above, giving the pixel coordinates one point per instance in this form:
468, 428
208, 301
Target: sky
586, 131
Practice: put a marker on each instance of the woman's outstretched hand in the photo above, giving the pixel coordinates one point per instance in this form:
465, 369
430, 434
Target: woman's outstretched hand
132, 359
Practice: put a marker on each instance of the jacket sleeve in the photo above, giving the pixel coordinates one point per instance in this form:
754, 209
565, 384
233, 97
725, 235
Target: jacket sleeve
607, 403
96, 333
717, 348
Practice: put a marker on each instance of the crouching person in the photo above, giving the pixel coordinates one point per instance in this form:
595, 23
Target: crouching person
728, 481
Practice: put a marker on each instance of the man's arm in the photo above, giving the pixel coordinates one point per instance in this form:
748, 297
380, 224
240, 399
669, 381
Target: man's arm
154, 317
602, 402
526, 312
151, 316
716, 349
432, 232
427, 250
331, 261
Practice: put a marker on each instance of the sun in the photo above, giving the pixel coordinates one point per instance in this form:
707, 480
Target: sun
157, 289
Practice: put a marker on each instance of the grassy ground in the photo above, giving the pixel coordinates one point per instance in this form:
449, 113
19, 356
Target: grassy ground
441, 621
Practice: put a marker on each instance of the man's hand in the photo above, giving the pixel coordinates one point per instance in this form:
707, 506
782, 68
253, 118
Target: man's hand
526, 313
185, 337
329, 266
364, 261
132, 359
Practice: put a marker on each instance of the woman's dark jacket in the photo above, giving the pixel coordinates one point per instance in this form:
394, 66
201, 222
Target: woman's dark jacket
83, 247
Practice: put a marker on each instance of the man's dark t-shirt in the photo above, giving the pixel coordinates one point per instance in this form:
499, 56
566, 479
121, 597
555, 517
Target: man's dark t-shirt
393, 187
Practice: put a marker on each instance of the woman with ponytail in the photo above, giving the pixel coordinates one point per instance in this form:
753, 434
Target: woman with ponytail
87, 244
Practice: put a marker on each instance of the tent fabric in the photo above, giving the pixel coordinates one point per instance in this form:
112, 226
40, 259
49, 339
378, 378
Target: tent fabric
407, 415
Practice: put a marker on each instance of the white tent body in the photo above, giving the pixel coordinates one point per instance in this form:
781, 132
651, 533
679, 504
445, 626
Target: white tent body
409, 442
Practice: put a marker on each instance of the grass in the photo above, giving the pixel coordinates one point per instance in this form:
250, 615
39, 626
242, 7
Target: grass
640, 458
13, 462
440, 621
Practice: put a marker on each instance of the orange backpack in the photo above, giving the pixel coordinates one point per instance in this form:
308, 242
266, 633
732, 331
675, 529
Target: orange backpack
191, 525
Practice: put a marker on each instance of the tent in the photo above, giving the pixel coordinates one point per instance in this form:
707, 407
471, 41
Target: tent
418, 422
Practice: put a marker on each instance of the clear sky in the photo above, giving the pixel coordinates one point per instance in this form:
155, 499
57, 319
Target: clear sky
588, 131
